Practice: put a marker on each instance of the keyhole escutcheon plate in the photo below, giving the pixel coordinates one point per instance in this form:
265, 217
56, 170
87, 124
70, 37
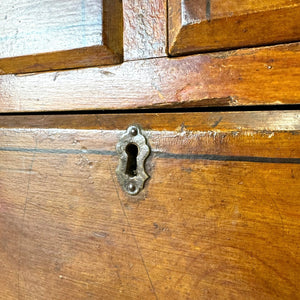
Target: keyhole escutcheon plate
133, 150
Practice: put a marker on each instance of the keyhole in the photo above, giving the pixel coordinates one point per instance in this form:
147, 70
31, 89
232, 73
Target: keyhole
132, 153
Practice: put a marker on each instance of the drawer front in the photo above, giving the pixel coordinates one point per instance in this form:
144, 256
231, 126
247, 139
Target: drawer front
218, 217
53, 35
204, 25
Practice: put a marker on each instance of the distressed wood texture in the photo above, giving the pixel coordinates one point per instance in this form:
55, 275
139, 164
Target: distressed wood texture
267, 75
145, 29
51, 35
203, 25
219, 218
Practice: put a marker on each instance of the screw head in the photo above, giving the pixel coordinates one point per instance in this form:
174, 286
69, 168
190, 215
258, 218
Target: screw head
131, 187
133, 131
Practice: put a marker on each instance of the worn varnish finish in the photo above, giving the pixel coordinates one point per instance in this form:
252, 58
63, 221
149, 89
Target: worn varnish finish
204, 25
267, 75
51, 35
219, 217
91, 33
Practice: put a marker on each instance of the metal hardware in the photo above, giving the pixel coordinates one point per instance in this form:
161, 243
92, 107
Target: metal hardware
133, 151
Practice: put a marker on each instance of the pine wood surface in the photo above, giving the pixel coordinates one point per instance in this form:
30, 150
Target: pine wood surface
219, 217
257, 76
199, 26
50, 35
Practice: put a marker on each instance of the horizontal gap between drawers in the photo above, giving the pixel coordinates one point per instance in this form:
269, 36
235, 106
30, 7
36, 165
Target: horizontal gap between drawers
166, 110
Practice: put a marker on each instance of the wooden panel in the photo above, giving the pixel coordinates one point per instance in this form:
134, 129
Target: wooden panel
204, 25
268, 75
51, 35
219, 217
145, 29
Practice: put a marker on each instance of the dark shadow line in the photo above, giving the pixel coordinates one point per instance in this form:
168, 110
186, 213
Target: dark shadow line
162, 110
60, 151
212, 157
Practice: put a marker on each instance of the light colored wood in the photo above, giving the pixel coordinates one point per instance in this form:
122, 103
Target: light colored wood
267, 75
51, 35
219, 217
145, 29
198, 26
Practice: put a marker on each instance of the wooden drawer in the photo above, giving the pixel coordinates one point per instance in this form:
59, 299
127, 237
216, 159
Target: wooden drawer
218, 218
205, 25
53, 35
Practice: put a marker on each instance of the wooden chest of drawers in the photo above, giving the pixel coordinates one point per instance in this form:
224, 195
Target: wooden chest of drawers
219, 215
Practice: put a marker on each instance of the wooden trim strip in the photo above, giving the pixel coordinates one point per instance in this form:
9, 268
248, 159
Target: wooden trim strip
254, 159
166, 155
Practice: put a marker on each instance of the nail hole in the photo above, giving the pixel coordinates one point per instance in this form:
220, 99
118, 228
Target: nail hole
132, 153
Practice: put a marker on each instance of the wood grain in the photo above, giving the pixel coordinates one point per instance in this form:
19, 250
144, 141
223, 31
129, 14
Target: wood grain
267, 75
198, 26
219, 217
59, 34
145, 29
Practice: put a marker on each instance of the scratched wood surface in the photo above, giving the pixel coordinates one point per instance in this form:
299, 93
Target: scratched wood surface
66, 34
145, 29
258, 76
218, 219
203, 25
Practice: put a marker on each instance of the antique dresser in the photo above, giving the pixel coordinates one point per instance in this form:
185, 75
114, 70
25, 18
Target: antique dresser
149, 149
